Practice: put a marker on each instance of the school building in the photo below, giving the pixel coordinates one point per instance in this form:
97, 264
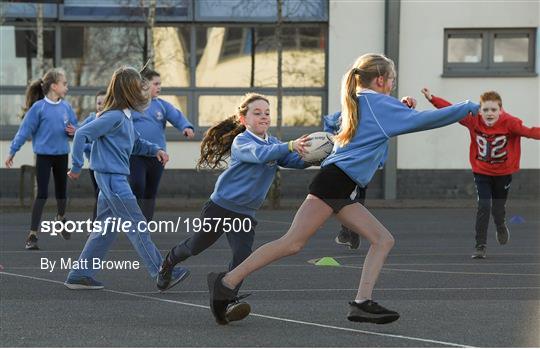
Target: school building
210, 52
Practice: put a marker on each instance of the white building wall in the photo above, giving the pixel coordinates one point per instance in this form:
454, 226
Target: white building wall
354, 28
421, 64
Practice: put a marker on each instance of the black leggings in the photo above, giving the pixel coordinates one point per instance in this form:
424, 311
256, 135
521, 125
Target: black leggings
144, 177
240, 237
59, 166
96, 194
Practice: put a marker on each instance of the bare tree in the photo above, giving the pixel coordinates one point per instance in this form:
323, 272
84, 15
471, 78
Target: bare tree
150, 24
40, 62
275, 191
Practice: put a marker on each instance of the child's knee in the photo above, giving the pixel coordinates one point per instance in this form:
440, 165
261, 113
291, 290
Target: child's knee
293, 247
385, 241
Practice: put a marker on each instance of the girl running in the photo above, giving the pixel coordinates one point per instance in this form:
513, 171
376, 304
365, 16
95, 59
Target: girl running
240, 190
113, 139
369, 118
49, 120
146, 171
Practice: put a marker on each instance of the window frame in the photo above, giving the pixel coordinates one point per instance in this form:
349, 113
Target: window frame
192, 92
487, 67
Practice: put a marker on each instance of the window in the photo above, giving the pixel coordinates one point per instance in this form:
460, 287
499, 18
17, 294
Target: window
205, 67
300, 110
490, 52
171, 50
260, 10
19, 51
247, 56
94, 52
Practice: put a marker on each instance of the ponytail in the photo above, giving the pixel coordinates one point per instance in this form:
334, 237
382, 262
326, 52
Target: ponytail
39, 88
34, 92
366, 68
217, 142
350, 113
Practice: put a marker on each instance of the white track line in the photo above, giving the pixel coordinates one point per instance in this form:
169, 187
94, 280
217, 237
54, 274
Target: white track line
452, 272
195, 266
401, 289
442, 271
436, 254
314, 324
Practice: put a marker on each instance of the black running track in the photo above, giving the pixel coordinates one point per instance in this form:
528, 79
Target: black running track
444, 297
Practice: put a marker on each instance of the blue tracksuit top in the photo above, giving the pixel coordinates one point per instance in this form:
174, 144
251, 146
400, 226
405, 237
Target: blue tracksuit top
45, 123
243, 186
332, 123
88, 146
151, 124
113, 139
382, 117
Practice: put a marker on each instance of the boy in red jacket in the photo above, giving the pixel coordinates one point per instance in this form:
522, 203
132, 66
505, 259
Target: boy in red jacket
494, 155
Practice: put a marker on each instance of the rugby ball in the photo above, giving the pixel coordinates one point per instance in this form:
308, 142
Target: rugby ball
321, 145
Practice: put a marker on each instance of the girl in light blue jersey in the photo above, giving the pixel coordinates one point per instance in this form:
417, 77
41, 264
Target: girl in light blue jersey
113, 140
146, 171
50, 121
240, 190
370, 117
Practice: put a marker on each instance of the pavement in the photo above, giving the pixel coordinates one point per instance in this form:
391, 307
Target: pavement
445, 298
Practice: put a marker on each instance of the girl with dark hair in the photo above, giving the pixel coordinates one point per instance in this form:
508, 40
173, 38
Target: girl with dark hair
240, 190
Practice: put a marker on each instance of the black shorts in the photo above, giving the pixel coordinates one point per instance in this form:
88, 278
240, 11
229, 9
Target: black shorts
333, 186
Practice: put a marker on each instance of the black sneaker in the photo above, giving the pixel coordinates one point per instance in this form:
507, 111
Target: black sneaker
480, 252
220, 297
65, 234
169, 276
369, 311
165, 275
343, 237
503, 234
31, 242
238, 310
348, 237
355, 241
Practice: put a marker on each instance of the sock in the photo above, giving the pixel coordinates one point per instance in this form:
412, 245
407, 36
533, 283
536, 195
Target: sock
360, 300
227, 285
33, 232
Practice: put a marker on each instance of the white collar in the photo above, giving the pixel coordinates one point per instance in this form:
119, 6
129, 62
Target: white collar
367, 90
265, 139
51, 101
127, 112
